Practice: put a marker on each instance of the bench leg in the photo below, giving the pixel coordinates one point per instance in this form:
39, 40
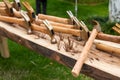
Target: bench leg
4, 47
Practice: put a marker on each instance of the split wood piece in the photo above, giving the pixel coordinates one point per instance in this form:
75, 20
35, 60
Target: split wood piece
35, 27
54, 19
78, 66
4, 47
39, 22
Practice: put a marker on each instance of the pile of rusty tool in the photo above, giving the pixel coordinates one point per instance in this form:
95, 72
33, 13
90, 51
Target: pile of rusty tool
11, 13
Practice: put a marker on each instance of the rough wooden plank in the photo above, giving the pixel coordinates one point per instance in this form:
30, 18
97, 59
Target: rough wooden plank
4, 47
99, 65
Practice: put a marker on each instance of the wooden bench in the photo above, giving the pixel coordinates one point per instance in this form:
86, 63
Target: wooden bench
99, 65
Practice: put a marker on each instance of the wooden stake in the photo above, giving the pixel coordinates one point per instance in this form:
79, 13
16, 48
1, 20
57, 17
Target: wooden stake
4, 47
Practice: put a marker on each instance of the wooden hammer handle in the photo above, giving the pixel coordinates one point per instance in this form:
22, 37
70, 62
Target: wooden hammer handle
108, 37
77, 67
53, 18
110, 49
39, 22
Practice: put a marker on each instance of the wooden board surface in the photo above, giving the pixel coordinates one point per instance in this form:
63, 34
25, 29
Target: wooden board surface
99, 65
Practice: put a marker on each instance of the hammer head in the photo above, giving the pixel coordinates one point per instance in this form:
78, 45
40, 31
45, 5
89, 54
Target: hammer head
30, 11
27, 20
50, 30
9, 7
17, 5
96, 25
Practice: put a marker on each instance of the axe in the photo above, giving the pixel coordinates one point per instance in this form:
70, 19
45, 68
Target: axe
78, 65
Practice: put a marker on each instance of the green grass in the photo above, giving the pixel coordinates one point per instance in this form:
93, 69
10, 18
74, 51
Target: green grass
25, 64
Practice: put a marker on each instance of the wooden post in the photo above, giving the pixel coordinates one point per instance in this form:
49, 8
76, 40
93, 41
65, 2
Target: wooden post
4, 47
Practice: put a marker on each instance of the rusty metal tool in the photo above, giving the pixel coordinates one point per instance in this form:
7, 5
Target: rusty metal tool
77, 67
51, 32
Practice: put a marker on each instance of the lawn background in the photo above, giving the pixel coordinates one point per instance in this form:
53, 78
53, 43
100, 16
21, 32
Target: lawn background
25, 64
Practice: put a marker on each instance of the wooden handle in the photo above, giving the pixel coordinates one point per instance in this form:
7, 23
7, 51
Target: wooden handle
108, 37
110, 49
22, 23
58, 29
53, 18
77, 68
55, 24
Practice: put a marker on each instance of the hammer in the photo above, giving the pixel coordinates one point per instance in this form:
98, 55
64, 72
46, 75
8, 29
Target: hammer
9, 9
51, 32
80, 25
30, 11
77, 67
17, 5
